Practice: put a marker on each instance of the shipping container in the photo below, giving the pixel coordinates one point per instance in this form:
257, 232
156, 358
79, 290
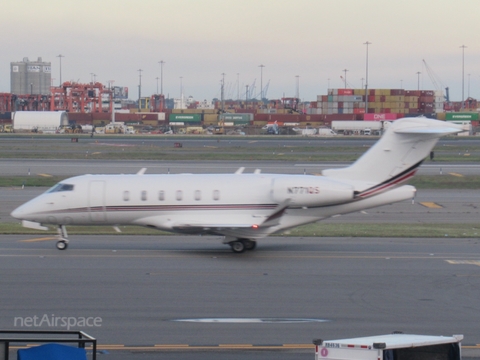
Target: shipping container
345, 91
380, 117
122, 117
153, 123
185, 118
101, 116
461, 116
6, 115
236, 118
80, 118
427, 93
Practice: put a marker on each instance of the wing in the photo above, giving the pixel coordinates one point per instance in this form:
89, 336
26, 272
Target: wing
241, 225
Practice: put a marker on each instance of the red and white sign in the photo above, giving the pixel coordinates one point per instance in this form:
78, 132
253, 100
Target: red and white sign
379, 117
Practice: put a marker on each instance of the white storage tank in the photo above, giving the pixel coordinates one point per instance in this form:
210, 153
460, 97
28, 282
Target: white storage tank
39, 121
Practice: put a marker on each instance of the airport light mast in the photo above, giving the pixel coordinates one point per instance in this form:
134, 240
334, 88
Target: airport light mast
463, 47
366, 79
161, 62
139, 88
261, 81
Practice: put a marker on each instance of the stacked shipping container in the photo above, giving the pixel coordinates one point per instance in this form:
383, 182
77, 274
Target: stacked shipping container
380, 101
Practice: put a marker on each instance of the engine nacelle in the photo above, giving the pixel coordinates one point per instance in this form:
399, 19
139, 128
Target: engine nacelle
310, 191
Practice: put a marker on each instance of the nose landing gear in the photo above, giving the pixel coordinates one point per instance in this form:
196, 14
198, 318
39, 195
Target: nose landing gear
62, 237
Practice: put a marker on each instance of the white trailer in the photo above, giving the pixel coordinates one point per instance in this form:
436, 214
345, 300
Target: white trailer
395, 346
39, 121
352, 127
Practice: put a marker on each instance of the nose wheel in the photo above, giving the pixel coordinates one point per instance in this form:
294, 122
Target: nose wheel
62, 236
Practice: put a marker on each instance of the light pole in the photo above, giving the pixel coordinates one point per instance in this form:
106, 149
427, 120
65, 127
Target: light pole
468, 93
139, 87
345, 80
366, 78
261, 81
297, 92
161, 62
238, 87
222, 92
60, 57
181, 92
463, 47
418, 80
157, 83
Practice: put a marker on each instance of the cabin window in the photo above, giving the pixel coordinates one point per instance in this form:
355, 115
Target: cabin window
126, 196
179, 195
144, 195
161, 195
198, 195
216, 194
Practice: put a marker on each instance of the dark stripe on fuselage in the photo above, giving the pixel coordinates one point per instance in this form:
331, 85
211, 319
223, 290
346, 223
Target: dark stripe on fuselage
148, 208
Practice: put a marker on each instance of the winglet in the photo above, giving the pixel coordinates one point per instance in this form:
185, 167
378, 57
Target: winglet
141, 171
239, 171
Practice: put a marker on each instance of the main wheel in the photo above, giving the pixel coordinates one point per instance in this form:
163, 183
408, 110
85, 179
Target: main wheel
62, 245
250, 244
238, 246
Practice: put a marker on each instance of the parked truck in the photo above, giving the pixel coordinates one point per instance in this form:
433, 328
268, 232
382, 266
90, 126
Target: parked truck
115, 128
396, 346
6, 128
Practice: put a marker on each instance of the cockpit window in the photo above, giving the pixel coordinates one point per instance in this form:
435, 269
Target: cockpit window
61, 187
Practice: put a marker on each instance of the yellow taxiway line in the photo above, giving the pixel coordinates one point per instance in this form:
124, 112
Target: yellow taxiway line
39, 239
431, 205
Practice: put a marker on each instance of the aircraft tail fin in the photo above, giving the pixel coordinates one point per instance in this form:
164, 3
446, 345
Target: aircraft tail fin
395, 157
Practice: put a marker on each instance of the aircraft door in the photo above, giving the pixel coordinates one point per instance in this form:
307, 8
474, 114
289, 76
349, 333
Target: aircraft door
96, 201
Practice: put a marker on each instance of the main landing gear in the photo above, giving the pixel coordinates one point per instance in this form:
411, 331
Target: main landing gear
62, 242
241, 245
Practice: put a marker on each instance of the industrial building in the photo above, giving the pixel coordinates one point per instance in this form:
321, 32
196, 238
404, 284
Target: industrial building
30, 77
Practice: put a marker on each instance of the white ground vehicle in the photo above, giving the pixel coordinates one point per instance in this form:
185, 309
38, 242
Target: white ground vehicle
391, 347
326, 132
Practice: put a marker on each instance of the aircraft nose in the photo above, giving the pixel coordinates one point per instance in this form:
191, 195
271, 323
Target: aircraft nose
19, 213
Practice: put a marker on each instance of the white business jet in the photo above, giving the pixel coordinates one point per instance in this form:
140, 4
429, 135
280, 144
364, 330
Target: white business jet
241, 207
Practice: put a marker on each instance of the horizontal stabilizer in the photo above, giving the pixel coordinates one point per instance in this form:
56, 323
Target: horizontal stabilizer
445, 131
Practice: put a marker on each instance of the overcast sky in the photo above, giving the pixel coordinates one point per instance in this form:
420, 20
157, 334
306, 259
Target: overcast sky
201, 39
